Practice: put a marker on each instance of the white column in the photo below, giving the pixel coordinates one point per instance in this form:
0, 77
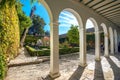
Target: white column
106, 50
97, 45
82, 53
116, 42
111, 43
54, 46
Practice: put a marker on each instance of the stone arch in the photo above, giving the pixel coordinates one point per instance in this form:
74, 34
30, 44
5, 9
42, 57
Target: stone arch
111, 40
48, 9
116, 41
97, 38
94, 23
82, 52
78, 17
105, 39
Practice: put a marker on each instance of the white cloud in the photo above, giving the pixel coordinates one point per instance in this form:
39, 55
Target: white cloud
68, 18
67, 15
64, 25
63, 18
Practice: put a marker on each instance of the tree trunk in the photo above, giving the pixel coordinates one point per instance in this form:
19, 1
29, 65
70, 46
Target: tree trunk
23, 37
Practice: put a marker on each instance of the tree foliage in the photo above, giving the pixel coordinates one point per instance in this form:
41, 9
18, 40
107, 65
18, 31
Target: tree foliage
73, 35
38, 25
24, 21
47, 33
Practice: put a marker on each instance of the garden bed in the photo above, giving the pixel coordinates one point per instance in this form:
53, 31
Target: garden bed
46, 52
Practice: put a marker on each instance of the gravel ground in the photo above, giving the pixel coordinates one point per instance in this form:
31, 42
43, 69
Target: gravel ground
106, 69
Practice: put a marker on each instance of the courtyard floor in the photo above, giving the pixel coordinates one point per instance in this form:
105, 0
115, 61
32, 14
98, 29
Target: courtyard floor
106, 69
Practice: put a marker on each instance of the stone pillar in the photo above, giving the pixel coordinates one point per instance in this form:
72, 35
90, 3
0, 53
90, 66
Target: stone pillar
82, 53
54, 46
106, 49
111, 43
97, 45
116, 41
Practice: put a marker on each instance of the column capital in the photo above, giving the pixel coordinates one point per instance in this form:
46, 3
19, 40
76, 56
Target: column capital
82, 29
97, 31
106, 35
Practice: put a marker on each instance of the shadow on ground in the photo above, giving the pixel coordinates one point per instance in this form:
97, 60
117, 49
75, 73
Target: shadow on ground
47, 78
115, 68
98, 73
77, 74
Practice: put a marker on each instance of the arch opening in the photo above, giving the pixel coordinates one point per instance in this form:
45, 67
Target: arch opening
80, 35
94, 32
69, 20
105, 40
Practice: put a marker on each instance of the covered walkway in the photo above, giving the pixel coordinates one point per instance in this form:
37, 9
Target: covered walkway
104, 17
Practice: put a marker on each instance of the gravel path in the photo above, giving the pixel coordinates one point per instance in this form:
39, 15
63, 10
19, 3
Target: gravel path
106, 69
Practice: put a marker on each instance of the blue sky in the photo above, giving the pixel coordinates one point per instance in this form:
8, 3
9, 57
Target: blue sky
66, 19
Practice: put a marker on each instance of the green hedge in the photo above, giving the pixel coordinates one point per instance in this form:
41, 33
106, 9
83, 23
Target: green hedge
46, 52
2, 66
9, 35
30, 38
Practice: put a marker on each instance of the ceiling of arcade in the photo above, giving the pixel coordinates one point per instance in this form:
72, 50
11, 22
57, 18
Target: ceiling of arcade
109, 9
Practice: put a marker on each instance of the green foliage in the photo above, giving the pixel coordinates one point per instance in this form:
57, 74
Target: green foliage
38, 24
64, 45
73, 35
24, 21
2, 66
90, 38
9, 30
34, 52
10, 2
9, 34
30, 38
46, 52
47, 33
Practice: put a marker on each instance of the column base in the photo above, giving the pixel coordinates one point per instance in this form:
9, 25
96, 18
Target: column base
97, 59
112, 53
82, 65
55, 75
106, 56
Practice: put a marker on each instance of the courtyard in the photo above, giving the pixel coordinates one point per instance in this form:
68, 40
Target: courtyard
105, 69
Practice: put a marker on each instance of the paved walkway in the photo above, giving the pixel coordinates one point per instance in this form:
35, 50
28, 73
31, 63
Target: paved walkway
25, 59
106, 69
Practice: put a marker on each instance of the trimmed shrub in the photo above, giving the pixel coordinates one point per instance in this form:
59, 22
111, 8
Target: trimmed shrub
46, 52
31, 38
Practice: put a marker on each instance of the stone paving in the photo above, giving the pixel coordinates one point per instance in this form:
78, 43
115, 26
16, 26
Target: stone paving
106, 69
25, 59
